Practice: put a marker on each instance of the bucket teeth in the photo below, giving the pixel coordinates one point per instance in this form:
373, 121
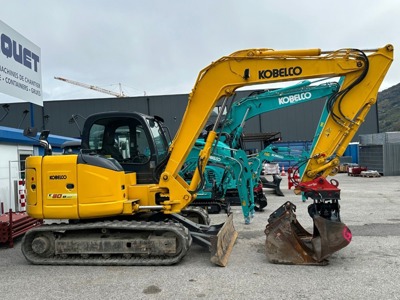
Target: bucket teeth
287, 242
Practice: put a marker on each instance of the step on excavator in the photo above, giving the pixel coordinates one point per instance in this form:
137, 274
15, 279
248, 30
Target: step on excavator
135, 214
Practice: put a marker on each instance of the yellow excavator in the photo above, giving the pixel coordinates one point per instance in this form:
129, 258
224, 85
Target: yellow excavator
130, 206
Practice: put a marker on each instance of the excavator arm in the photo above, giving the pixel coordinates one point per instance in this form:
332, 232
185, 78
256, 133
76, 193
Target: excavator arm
347, 111
362, 74
287, 241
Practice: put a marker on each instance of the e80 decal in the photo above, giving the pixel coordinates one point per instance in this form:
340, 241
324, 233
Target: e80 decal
60, 196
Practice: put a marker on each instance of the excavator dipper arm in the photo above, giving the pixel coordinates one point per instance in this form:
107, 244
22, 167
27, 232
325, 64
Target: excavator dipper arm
346, 110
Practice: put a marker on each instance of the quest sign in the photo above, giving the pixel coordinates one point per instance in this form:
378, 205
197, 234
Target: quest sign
20, 67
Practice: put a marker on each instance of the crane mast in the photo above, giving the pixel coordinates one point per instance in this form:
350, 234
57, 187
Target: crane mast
93, 87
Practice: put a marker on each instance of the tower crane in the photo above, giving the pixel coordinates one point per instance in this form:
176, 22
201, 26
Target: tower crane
93, 87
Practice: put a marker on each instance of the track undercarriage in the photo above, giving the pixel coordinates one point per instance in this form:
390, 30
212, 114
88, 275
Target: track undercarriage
107, 243
154, 239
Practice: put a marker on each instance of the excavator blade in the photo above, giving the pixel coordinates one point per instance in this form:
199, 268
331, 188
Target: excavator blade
222, 243
287, 242
219, 238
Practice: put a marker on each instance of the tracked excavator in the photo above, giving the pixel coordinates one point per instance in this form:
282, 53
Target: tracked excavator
120, 217
230, 174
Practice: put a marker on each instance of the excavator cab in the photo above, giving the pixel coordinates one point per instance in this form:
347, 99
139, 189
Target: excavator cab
136, 141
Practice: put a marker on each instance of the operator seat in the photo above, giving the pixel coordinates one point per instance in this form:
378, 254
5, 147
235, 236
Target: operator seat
109, 147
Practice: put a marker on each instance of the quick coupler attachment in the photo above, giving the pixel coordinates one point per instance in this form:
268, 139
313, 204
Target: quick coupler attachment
287, 242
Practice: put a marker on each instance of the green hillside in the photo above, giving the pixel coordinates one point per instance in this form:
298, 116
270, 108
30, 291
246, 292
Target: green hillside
389, 109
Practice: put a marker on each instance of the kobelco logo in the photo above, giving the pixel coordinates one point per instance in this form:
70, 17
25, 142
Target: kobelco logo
58, 177
282, 72
214, 158
294, 98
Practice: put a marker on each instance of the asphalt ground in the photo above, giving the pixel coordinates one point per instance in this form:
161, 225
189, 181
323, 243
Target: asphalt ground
369, 268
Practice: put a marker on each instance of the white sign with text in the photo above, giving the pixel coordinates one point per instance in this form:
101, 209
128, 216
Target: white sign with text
20, 67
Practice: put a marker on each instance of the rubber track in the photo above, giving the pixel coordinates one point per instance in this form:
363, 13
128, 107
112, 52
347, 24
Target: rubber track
182, 233
198, 210
204, 204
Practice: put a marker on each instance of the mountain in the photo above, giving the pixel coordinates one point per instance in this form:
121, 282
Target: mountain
389, 109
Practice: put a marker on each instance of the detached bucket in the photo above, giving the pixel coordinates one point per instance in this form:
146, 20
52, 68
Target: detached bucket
287, 242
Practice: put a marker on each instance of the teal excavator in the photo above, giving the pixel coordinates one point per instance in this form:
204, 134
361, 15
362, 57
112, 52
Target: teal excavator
230, 172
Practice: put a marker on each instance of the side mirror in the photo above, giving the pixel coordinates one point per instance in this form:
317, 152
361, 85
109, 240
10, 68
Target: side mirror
44, 135
45, 143
30, 132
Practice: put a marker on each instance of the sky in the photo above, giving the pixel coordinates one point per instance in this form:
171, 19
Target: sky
157, 47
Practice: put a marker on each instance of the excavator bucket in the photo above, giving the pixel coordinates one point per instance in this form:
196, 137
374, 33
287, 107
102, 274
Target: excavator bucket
275, 184
222, 243
287, 242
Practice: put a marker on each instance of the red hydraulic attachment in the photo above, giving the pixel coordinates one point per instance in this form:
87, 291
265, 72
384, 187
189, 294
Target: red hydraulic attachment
320, 189
289, 243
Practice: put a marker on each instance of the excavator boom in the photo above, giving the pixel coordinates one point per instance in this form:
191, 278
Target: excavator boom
362, 77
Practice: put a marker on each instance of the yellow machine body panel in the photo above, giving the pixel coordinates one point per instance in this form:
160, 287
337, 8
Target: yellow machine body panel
145, 193
59, 188
58, 199
102, 192
34, 200
48, 194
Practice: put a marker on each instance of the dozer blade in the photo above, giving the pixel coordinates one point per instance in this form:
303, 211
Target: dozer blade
219, 239
222, 243
287, 242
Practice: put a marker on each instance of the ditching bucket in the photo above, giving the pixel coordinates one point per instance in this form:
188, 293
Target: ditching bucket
287, 242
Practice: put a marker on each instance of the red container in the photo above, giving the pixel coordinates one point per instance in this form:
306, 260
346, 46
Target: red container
356, 170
